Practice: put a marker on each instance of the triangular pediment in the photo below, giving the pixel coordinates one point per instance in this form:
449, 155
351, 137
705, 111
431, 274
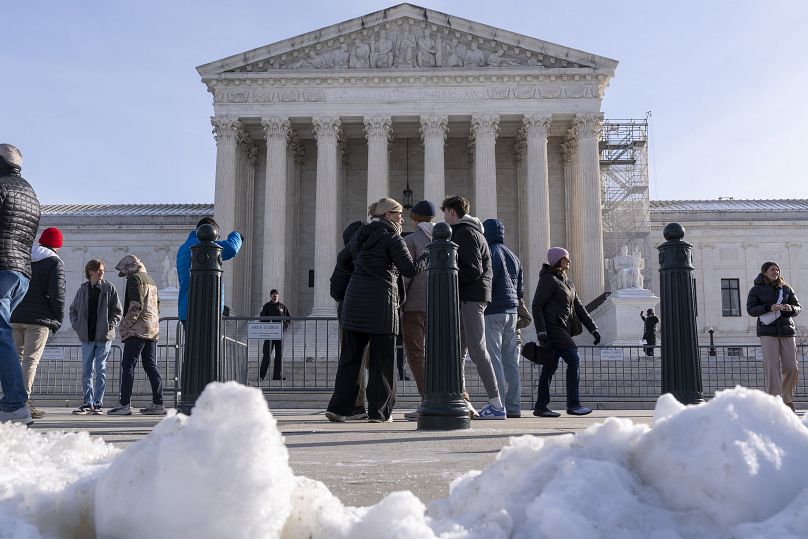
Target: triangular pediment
406, 37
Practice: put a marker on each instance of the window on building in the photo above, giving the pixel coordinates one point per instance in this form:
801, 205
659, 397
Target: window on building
730, 297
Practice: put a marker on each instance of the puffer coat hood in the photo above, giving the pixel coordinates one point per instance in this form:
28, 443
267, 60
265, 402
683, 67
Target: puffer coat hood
494, 231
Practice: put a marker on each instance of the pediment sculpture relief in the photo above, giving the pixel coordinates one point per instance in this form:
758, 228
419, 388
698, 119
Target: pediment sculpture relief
407, 44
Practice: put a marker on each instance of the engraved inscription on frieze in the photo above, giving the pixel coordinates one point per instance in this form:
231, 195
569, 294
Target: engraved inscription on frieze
407, 43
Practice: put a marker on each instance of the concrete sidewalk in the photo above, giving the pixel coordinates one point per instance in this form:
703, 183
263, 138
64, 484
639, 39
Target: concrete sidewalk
363, 462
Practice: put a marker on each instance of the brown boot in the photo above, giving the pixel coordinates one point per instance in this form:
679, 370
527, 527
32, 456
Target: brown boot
36, 413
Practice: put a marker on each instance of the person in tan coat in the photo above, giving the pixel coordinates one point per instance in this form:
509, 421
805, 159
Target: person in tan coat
140, 329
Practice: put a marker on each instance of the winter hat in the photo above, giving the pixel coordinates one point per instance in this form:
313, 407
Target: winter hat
555, 254
51, 237
423, 212
350, 230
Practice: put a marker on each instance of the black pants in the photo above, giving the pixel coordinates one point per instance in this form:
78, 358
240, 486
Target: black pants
146, 350
267, 351
381, 390
650, 341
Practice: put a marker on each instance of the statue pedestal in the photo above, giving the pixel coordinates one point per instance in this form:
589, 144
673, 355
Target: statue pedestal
618, 318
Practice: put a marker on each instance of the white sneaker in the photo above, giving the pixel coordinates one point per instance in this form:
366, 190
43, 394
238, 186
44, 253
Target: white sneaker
121, 409
153, 409
21, 415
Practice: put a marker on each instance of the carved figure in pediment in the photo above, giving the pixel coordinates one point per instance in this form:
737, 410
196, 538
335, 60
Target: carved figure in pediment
341, 57
427, 51
360, 57
381, 55
474, 57
405, 55
450, 58
494, 59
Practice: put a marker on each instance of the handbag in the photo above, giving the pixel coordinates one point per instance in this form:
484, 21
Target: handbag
576, 328
540, 355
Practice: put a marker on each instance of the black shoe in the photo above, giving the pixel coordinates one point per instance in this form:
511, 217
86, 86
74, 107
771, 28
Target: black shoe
579, 410
546, 413
514, 415
281, 378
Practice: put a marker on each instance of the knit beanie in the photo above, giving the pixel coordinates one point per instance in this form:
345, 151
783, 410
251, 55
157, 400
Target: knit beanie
51, 237
423, 212
554, 254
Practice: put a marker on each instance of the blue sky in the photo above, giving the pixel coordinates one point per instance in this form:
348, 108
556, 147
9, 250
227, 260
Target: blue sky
104, 100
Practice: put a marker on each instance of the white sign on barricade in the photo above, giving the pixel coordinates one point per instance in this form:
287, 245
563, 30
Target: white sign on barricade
272, 331
611, 354
53, 352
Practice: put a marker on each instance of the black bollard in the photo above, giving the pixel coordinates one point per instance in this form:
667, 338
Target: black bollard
443, 407
681, 367
203, 326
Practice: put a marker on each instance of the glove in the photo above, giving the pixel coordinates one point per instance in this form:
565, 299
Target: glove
542, 336
596, 335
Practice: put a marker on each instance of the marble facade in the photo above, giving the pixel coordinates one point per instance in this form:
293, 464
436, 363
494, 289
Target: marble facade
311, 129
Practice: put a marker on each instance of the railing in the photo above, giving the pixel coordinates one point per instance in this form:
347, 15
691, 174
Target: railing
311, 355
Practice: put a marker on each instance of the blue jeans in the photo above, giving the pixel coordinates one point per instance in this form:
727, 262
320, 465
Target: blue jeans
500, 338
133, 348
94, 357
13, 286
570, 356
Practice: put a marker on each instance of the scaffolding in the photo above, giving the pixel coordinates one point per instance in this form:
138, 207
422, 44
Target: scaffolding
624, 184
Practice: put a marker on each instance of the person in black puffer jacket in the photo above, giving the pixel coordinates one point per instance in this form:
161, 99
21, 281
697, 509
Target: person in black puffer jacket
19, 220
775, 305
369, 313
554, 304
42, 309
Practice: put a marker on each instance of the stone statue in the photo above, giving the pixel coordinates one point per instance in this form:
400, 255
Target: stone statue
626, 269
406, 50
494, 59
474, 57
341, 57
425, 56
360, 58
382, 52
450, 56
170, 279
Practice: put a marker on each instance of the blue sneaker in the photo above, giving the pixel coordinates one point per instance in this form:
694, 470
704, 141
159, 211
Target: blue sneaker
491, 412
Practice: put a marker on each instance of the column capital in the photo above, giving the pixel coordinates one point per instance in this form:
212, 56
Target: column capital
225, 128
275, 128
484, 124
520, 146
433, 127
378, 127
243, 140
536, 125
568, 150
588, 125
326, 128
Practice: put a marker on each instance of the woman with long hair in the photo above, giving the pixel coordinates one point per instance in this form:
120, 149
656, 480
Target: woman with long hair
369, 312
775, 305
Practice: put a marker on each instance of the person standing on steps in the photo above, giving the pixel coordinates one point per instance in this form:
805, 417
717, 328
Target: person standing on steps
649, 331
274, 308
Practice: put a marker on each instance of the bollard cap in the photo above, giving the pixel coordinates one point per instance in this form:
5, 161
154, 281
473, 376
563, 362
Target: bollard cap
206, 232
441, 231
673, 231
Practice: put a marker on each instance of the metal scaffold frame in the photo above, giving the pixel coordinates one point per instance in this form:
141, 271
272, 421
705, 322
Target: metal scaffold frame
624, 189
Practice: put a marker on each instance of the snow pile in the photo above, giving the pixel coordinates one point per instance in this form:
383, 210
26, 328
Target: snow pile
730, 468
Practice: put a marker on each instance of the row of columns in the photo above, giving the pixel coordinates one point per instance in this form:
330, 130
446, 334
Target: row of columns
582, 184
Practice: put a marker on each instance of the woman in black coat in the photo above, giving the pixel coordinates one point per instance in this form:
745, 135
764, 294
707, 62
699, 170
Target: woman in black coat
775, 305
554, 304
369, 312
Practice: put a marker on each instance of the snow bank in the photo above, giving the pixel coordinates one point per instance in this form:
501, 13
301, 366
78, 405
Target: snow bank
730, 468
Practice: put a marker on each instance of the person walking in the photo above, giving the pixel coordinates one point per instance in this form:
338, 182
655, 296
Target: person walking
140, 329
555, 309
274, 308
501, 316
414, 308
474, 283
42, 309
649, 331
775, 305
369, 312
19, 220
94, 314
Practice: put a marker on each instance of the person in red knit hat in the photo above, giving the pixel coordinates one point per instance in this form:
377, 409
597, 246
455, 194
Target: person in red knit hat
42, 309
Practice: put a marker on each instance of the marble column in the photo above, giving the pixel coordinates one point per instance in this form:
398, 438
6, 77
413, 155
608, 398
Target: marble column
484, 128
537, 194
378, 131
433, 134
237, 275
226, 132
327, 131
294, 165
572, 194
276, 133
587, 127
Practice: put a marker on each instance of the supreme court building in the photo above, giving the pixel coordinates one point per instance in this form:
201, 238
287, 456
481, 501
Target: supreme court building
312, 129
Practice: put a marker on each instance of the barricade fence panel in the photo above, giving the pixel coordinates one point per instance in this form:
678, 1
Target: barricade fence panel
310, 355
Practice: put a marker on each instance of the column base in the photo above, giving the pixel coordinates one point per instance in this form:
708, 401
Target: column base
441, 412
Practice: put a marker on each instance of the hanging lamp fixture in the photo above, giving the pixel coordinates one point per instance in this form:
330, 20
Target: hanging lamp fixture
407, 190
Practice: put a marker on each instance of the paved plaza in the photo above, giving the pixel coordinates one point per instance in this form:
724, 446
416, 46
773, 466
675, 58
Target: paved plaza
362, 462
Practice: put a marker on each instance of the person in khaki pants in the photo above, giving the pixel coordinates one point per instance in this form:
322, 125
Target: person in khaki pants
42, 309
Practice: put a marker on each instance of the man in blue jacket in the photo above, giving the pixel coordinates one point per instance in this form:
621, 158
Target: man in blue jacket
501, 315
230, 247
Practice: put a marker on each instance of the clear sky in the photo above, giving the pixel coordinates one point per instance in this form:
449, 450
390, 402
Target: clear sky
104, 100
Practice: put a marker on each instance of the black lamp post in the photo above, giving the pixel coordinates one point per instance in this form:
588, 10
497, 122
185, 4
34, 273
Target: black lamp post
407, 190
712, 342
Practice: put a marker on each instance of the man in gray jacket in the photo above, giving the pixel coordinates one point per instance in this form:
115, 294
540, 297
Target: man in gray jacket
94, 313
